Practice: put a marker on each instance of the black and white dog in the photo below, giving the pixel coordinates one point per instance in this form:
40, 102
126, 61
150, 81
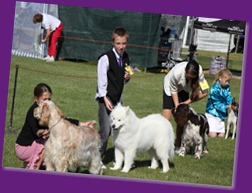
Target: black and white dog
232, 118
195, 130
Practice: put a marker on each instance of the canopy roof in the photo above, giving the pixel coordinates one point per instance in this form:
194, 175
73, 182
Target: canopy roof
225, 26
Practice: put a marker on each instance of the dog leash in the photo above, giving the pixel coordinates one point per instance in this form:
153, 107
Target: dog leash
56, 123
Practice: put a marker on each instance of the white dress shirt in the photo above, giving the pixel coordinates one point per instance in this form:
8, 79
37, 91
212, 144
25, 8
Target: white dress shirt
175, 80
102, 69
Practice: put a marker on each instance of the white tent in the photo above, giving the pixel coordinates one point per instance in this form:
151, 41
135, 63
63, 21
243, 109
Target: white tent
26, 35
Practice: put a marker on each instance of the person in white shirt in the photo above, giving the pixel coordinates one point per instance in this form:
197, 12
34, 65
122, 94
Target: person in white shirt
183, 84
54, 28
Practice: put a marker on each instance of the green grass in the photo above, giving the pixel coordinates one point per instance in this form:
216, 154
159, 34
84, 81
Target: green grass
74, 87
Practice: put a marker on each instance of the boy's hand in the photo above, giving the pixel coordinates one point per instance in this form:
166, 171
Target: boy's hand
126, 76
108, 104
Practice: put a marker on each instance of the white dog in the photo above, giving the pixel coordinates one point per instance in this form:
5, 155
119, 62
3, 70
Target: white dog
131, 135
232, 118
68, 145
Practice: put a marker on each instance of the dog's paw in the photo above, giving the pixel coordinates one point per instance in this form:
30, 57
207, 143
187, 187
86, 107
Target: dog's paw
197, 155
100, 172
164, 171
125, 170
205, 151
114, 168
152, 167
182, 153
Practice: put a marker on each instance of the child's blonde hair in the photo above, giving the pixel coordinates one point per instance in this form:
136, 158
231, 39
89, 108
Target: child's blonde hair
223, 73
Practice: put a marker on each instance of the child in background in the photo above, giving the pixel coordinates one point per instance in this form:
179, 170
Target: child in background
30, 141
219, 101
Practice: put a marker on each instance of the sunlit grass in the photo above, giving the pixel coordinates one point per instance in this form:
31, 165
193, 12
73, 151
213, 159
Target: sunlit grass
74, 88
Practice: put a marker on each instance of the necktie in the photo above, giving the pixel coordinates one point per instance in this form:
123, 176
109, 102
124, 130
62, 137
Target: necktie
120, 61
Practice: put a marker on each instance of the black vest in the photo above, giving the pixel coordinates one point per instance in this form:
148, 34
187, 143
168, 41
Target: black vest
115, 76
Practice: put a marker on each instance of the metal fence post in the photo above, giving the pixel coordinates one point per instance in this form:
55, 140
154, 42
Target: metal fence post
13, 100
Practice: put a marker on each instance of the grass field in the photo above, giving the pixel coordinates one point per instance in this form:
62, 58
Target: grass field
74, 87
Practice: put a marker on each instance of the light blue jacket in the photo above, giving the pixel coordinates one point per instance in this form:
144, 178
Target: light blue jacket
218, 99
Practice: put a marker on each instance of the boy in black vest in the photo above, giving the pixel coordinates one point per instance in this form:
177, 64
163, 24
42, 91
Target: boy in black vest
111, 79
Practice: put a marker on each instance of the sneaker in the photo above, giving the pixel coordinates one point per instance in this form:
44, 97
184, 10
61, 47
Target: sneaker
50, 59
46, 58
103, 166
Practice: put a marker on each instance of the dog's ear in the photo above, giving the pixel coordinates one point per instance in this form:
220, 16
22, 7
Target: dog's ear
36, 113
59, 112
45, 115
190, 113
45, 110
127, 110
186, 107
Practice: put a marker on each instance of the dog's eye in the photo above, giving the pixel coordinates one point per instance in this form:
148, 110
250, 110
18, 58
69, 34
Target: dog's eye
119, 119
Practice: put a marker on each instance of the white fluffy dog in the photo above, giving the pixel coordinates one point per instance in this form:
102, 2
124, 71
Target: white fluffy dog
68, 144
152, 134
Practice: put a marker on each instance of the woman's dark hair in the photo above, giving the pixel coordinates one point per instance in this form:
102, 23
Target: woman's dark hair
41, 88
37, 18
192, 68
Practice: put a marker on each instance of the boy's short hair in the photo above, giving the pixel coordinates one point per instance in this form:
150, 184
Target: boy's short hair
37, 18
120, 31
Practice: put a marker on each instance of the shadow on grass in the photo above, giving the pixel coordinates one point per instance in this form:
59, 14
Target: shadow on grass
147, 163
236, 72
109, 157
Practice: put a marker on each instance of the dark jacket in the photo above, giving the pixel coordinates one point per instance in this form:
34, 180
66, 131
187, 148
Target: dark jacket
28, 134
115, 76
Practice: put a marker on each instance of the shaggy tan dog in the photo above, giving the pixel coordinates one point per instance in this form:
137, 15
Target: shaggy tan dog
68, 144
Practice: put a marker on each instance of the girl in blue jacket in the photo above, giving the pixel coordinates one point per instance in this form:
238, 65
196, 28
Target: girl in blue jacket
219, 101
